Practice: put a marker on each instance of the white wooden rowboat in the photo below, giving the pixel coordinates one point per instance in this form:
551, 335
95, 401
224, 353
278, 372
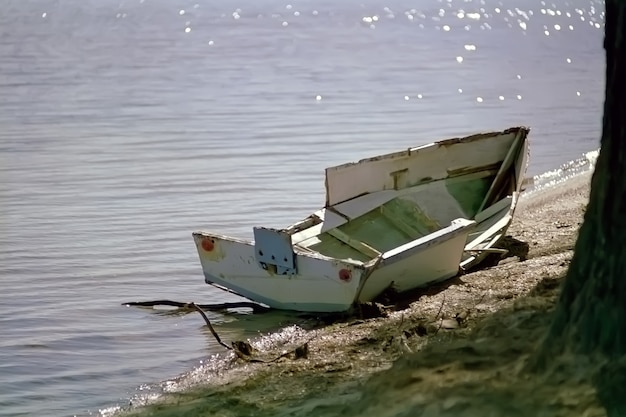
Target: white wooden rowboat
401, 220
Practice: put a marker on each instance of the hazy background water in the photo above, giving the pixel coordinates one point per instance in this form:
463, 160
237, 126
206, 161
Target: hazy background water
127, 124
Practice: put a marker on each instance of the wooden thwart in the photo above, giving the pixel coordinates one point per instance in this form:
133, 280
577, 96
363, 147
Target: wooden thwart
362, 247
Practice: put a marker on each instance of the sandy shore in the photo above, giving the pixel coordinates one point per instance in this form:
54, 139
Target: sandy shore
457, 349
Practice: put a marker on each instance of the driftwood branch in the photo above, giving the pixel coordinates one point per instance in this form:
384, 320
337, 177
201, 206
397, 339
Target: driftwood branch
209, 325
257, 308
242, 349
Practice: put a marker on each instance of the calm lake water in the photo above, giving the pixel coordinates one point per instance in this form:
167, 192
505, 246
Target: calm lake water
127, 124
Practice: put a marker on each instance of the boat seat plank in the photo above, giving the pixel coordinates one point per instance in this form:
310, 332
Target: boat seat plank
332, 219
493, 209
329, 220
365, 203
499, 225
300, 237
362, 247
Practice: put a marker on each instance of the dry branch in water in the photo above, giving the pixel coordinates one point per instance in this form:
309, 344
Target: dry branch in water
209, 325
243, 349
257, 308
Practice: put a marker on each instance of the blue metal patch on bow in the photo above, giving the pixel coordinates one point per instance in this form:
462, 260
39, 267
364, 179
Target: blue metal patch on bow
273, 251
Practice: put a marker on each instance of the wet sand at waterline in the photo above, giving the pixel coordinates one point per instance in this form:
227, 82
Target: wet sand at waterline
457, 349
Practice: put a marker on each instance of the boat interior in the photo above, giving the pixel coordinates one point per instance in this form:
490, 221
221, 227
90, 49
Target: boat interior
366, 226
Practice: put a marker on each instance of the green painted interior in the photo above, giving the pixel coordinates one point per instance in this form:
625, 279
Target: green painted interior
401, 220
470, 193
331, 246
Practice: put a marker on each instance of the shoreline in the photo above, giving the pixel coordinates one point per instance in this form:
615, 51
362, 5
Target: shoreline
472, 327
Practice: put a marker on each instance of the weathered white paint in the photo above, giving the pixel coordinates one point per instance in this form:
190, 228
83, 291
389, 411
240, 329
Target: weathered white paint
316, 287
413, 166
432, 258
431, 196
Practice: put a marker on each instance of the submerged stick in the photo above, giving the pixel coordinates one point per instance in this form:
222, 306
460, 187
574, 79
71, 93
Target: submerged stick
209, 325
301, 351
257, 308
243, 350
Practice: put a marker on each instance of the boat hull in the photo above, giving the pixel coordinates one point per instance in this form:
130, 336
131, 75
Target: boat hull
398, 221
431, 259
324, 284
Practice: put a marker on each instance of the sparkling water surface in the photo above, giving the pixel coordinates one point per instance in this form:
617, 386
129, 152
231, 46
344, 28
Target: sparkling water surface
126, 125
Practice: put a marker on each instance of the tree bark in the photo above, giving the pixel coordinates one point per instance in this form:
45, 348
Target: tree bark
591, 313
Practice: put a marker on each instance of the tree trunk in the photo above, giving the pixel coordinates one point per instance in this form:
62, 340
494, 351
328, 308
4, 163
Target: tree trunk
591, 312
